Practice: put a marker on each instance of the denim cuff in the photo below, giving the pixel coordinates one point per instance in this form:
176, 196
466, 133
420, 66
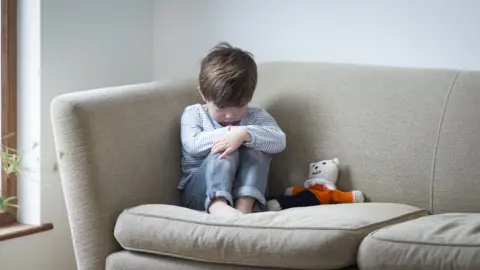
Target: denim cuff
250, 191
218, 194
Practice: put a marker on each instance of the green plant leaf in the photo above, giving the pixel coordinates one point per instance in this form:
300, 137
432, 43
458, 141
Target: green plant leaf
10, 161
5, 203
7, 200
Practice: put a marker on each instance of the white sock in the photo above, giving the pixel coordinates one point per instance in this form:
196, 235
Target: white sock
222, 209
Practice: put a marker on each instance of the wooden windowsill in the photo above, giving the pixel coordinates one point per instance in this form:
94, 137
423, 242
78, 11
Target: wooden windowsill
18, 230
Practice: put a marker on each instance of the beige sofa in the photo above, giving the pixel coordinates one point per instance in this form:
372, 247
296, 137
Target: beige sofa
409, 138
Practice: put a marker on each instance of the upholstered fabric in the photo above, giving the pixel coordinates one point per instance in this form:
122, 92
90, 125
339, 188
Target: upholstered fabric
381, 122
117, 147
444, 241
456, 185
301, 238
126, 260
402, 135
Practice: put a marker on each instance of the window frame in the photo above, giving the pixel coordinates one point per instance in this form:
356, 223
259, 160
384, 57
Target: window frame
9, 89
9, 41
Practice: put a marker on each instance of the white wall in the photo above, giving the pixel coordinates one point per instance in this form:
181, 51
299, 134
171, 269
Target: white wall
84, 44
182, 33
427, 33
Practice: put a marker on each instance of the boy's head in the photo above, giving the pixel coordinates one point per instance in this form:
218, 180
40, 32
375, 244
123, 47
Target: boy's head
228, 78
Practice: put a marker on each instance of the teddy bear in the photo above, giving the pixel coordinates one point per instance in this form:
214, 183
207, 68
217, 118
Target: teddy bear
319, 189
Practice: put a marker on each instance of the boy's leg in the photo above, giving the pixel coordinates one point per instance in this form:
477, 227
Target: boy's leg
252, 177
210, 188
194, 194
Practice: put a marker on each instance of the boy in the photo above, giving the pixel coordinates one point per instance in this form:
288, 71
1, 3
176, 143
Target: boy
226, 145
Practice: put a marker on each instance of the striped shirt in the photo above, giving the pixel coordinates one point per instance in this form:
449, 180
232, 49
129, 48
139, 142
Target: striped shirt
199, 131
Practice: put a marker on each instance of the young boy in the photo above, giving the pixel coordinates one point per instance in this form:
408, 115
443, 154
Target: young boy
226, 145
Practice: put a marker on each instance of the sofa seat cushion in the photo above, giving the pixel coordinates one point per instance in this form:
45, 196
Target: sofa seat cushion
443, 241
318, 237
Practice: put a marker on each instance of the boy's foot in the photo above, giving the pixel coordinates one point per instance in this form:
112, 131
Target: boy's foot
221, 209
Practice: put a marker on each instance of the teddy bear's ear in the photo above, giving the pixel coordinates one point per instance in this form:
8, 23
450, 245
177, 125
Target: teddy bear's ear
336, 161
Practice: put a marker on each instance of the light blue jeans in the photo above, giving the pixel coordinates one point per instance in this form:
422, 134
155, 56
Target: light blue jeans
244, 173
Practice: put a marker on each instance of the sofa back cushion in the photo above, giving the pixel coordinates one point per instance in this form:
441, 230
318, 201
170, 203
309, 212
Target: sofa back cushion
456, 181
392, 128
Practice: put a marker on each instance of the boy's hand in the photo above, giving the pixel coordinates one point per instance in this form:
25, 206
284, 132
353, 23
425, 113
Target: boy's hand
232, 141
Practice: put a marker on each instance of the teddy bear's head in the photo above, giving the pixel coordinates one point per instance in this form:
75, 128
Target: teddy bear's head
327, 169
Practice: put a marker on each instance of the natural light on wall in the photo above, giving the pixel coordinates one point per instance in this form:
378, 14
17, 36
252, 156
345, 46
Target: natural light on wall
29, 187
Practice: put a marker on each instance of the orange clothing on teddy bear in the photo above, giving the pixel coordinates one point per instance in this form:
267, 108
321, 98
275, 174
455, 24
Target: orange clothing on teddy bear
318, 189
326, 196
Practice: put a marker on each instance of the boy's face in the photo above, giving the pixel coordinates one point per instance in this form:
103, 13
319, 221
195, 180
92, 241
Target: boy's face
226, 115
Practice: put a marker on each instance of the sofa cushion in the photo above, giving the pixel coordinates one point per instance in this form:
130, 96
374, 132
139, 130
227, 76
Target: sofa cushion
444, 241
318, 237
129, 260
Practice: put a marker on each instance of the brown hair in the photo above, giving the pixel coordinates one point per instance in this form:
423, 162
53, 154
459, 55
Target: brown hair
228, 76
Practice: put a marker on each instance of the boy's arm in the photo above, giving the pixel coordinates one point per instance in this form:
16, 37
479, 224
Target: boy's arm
195, 141
265, 134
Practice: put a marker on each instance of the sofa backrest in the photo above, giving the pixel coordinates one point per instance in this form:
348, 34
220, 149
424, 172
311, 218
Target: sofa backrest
404, 135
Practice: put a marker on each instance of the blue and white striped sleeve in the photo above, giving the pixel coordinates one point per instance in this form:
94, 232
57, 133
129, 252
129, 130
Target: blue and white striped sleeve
266, 134
195, 140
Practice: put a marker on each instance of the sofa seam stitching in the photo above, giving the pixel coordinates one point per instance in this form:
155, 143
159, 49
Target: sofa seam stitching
378, 238
406, 215
435, 151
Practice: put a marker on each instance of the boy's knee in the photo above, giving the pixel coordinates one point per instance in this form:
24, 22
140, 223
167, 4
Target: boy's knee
232, 158
253, 154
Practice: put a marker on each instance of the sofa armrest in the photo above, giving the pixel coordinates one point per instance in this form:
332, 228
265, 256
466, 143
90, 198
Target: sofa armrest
117, 147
